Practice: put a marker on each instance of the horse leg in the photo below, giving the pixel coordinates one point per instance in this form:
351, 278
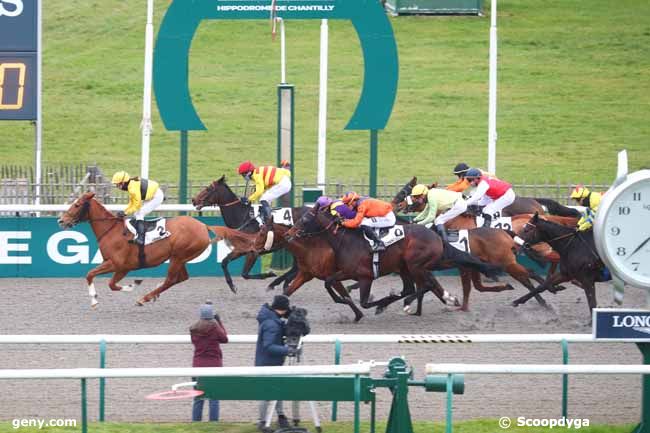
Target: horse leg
589, 287
224, 266
104, 268
117, 276
523, 275
555, 288
251, 257
284, 278
466, 281
364, 290
478, 284
177, 273
554, 279
344, 298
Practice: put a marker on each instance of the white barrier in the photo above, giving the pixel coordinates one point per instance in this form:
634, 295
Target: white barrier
94, 373
536, 369
325, 338
112, 207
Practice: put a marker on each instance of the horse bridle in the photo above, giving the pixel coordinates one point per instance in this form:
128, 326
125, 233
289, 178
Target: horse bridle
303, 234
85, 209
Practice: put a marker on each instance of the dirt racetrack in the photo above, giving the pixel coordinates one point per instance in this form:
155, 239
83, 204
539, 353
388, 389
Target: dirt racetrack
61, 306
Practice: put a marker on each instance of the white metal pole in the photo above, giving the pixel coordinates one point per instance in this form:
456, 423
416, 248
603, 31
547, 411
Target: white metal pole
145, 125
322, 105
492, 108
283, 53
39, 105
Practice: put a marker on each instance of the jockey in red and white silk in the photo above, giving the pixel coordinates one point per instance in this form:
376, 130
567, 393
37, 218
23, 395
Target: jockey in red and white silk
493, 193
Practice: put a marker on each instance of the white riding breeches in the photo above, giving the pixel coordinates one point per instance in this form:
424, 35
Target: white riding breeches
150, 205
277, 190
497, 205
458, 208
387, 220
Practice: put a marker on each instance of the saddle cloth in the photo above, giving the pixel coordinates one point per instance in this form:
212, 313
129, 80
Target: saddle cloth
388, 235
155, 230
504, 223
281, 215
459, 239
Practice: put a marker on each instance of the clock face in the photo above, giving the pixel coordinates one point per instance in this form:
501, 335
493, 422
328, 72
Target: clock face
626, 231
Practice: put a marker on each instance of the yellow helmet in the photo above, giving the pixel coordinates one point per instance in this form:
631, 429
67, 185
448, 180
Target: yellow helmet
120, 176
579, 192
419, 189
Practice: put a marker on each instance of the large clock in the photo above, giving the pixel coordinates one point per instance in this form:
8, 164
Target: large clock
622, 229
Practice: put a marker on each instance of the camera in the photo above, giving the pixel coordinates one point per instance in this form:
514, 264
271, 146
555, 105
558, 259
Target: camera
297, 327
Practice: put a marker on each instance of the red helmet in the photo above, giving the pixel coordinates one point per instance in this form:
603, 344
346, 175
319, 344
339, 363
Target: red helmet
245, 167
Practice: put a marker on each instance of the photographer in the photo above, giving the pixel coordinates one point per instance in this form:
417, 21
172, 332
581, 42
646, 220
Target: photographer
271, 350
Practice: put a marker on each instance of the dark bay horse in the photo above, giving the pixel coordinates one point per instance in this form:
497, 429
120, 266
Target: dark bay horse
189, 238
316, 259
579, 261
237, 216
414, 257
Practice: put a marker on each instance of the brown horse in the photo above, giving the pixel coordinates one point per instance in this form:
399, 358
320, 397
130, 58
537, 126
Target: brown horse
315, 259
414, 257
189, 238
237, 215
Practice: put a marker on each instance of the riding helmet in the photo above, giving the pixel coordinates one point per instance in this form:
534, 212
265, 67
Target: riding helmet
473, 172
579, 192
419, 189
120, 176
245, 167
461, 168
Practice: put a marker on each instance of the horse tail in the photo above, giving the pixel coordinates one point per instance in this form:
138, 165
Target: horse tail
218, 234
555, 208
461, 258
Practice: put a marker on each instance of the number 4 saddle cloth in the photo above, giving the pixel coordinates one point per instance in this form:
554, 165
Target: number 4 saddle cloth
283, 215
154, 229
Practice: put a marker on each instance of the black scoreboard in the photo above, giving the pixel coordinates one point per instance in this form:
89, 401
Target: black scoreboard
18, 59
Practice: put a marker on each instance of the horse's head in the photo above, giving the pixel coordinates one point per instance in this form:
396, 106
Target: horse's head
78, 211
313, 222
530, 232
217, 193
399, 202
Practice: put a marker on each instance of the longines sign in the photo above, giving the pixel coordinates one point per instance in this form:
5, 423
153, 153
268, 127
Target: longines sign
37, 247
621, 325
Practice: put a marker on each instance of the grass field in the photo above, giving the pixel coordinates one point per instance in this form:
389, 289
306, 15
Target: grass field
479, 426
574, 87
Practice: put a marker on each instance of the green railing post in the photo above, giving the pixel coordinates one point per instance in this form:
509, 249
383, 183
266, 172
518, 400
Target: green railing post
565, 378
450, 396
84, 407
372, 416
102, 380
337, 361
373, 163
357, 402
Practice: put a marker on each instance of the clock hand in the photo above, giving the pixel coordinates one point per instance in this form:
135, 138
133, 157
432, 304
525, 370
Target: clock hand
638, 248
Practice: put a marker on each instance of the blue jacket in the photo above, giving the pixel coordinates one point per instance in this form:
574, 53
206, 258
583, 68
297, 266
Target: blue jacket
270, 349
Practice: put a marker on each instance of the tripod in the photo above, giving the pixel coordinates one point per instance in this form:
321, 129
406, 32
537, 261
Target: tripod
295, 406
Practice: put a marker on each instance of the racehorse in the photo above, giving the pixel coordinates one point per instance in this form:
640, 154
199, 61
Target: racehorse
414, 257
579, 261
316, 259
237, 215
189, 238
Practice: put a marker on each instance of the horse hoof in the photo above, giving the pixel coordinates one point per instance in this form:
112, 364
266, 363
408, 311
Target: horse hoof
461, 309
379, 310
128, 288
509, 287
515, 304
357, 318
140, 302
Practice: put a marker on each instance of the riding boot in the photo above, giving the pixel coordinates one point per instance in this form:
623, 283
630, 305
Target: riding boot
377, 245
442, 232
487, 220
139, 228
265, 213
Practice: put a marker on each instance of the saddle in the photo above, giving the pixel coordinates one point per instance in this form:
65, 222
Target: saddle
459, 239
283, 215
388, 235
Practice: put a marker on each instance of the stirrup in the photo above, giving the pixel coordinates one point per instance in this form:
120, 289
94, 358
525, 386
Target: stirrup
378, 246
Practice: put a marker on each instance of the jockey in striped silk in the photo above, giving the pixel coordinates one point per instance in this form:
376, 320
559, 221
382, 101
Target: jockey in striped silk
270, 184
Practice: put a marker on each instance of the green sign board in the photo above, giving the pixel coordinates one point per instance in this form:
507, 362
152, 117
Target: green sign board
171, 55
37, 247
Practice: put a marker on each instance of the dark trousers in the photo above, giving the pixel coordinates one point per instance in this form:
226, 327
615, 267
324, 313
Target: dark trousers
197, 409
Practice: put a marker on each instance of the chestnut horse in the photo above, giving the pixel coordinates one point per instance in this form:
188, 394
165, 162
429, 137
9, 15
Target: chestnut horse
414, 257
189, 238
237, 216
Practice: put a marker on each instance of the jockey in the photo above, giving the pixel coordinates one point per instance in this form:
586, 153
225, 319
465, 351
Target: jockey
144, 196
370, 213
461, 184
490, 192
591, 201
270, 183
450, 204
337, 208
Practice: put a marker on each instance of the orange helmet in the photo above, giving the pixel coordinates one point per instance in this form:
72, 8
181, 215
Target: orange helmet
245, 167
350, 197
